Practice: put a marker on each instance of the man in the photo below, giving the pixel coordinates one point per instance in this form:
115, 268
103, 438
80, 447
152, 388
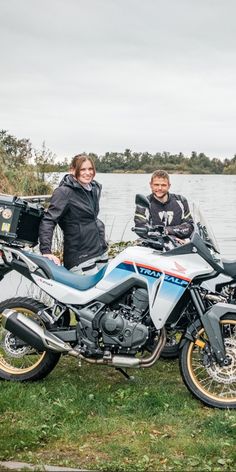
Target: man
166, 209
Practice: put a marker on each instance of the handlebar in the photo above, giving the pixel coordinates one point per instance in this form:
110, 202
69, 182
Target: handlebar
155, 236
141, 229
156, 230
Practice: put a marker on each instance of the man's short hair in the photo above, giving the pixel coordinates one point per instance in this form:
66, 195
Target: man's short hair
160, 173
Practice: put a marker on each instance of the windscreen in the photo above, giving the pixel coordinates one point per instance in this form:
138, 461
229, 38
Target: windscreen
204, 229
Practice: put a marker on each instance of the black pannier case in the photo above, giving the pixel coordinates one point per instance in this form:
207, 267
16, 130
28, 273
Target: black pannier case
19, 220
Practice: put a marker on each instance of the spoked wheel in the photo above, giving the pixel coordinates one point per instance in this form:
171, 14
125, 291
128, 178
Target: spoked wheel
19, 361
211, 383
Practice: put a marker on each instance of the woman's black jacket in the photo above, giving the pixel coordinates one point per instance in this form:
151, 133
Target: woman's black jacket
75, 209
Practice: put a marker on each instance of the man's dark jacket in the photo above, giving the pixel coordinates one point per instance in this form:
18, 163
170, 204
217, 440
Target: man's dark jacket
75, 209
174, 214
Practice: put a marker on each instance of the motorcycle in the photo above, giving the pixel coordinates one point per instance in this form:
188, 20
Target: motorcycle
119, 317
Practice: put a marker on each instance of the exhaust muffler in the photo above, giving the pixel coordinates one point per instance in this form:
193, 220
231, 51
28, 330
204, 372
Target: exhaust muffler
33, 334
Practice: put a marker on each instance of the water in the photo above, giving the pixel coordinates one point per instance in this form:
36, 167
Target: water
216, 195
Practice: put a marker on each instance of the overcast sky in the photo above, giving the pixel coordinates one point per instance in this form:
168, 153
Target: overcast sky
105, 75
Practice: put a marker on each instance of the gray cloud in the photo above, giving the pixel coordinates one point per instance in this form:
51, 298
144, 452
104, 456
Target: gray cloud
99, 75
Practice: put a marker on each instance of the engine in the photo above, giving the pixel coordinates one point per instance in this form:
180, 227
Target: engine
119, 330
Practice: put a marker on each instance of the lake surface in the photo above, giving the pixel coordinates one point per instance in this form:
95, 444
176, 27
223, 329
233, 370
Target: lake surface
215, 194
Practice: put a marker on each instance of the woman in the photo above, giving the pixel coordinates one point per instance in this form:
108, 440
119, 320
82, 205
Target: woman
74, 206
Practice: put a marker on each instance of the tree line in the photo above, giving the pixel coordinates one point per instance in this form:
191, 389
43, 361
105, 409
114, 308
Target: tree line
23, 168
197, 163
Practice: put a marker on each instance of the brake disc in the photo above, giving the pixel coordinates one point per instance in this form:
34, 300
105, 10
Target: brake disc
225, 374
9, 345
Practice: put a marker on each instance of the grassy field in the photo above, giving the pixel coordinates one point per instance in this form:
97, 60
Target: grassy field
92, 417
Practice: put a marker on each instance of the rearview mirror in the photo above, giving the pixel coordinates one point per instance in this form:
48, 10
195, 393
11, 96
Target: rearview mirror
142, 200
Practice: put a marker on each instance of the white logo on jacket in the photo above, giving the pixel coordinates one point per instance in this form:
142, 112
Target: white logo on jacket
166, 217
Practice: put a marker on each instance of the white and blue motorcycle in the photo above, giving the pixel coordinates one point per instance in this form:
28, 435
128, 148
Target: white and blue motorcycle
119, 317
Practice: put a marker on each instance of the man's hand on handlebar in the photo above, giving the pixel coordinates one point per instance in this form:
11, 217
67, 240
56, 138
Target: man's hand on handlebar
182, 241
156, 230
148, 230
158, 234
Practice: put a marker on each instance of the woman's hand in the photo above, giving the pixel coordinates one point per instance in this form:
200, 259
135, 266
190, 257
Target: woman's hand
53, 258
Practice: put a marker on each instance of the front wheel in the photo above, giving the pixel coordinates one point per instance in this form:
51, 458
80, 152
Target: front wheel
19, 361
211, 383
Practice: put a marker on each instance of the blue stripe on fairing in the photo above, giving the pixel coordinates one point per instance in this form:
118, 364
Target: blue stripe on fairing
171, 284
149, 273
125, 266
157, 274
171, 291
117, 275
175, 280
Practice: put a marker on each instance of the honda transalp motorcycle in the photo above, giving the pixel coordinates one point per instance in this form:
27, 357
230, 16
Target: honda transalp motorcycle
119, 316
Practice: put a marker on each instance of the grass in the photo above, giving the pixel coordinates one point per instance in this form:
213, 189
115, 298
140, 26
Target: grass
92, 417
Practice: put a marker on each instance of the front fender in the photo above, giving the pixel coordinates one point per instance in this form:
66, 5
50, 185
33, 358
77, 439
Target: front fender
211, 323
190, 333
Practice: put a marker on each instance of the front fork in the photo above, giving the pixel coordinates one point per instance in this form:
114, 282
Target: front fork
210, 320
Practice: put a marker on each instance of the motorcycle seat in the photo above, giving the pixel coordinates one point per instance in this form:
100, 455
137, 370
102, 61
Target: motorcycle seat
62, 275
229, 268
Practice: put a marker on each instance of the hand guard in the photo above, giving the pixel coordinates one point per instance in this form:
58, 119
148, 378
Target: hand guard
157, 230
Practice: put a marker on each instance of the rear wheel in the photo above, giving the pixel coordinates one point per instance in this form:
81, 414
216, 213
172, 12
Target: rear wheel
211, 383
19, 361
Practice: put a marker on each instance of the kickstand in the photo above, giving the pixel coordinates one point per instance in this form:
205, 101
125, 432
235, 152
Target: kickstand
122, 371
